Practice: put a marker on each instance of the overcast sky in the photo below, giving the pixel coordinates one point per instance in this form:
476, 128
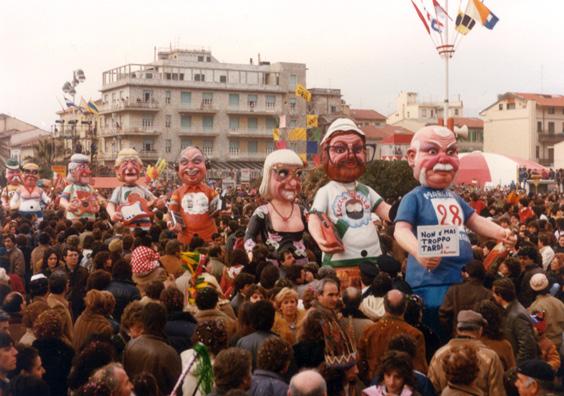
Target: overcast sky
371, 50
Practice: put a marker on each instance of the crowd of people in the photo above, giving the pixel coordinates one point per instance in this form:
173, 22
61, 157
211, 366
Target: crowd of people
94, 306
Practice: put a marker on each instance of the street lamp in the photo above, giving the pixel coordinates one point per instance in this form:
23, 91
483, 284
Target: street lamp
69, 87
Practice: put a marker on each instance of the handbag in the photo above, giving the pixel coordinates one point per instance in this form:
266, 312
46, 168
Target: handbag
329, 232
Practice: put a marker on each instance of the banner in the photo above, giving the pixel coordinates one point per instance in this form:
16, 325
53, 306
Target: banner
303, 92
311, 121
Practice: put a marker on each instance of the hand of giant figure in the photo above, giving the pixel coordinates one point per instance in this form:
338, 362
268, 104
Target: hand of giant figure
193, 204
79, 199
349, 204
130, 203
280, 224
433, 155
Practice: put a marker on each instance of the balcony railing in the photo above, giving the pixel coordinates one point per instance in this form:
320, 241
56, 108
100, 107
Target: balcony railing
141, 131
550, 138
130, 105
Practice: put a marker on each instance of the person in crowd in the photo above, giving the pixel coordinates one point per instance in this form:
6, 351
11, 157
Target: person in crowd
328, 295
216, 265
461, 370
529, 260
150, 351
376, 338
262, 318
307, 383
58, 287
534, 378
16, 260
492, 335
30, 313
145, 384
8, 360
231, 370
96, 352
373, 304
13, 305
464, 295
115, 378
273, 361
368, 272
547, 350
288, 317
180, 325
170, 260
207, 300
517, 327
51, 262
122, 287
95, 319
28, 385
545, 249
242, 285
145, 265
36, 258
396, 376
352, 316
469, 328
55, 351
551, 306
78, 276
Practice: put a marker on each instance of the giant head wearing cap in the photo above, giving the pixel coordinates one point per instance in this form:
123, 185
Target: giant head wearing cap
281, 175
343, 151
433, 155
13, 172
128, 166
30, 172
79, 169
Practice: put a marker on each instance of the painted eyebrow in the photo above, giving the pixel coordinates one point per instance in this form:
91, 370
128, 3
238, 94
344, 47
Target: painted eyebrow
429, 144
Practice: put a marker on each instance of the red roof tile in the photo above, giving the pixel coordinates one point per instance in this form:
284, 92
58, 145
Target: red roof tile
398, 138
542, 99
381, 132
366, 114
471, 122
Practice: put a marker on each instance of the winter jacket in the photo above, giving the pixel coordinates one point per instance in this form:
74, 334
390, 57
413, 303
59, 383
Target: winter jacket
179, 329
518, 330
124, 291
267, 383
89, 323
56, 356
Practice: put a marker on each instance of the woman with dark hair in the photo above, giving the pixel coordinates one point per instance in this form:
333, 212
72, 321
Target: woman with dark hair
96, 353
414, 316
461, 369
180, 325
492, 335
96, 317
213, 335
122, 287
309, 351
397, 378
51, 262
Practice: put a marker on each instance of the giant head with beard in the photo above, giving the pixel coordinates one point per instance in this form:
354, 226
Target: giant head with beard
343, 151
433, 155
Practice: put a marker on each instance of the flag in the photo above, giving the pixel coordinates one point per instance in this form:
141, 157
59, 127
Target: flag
464, 23
303, 92
484, 15
437, 25
298, 134
92, 107
311, 121
83, 106
440, 11
276, 134
421, 17
70, 103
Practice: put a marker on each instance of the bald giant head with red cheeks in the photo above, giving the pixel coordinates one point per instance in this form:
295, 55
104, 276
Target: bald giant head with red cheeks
192, 166
433, 155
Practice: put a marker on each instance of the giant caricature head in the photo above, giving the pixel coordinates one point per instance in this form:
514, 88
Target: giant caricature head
433, 155
281, 175
192, 166
79, 169
30, 172
13, 172
343, 151
128, 166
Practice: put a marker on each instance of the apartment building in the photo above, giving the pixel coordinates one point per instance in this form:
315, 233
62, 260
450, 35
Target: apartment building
525, 125
188, 97
367, 117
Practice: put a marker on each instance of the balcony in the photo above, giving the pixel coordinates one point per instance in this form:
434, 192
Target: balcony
130, 105
254, 110
250, 133
129, 131
548, 138
246, 156
149, 154
197, 132
203, 108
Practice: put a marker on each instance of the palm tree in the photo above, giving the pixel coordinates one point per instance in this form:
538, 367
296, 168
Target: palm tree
47, 151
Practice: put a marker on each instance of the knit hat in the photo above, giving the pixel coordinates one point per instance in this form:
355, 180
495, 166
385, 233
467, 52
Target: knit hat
144, 260
539, 282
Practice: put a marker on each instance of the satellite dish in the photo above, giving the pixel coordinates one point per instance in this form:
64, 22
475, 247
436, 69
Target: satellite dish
461, 131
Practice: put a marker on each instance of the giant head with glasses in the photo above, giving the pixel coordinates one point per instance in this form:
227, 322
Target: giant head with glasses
344, 152
433, 155
30, 172
282, 176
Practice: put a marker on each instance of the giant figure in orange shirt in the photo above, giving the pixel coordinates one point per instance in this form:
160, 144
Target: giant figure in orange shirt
193, 204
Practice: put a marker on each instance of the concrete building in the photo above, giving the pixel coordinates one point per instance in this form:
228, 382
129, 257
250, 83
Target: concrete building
475, 139
394, 147
375, 136
414, 115
188, 97
77, 131
367, 117
18, 138
328, 104
559, 155
525, 125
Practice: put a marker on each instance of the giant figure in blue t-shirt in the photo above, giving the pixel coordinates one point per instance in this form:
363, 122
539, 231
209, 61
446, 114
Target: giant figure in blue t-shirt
433, 155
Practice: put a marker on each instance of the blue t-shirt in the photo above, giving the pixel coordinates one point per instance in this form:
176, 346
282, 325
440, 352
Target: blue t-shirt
426, 206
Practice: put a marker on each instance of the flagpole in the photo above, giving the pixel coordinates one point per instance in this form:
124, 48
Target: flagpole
446, 54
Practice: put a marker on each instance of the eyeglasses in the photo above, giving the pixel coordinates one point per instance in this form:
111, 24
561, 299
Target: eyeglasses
281, 174
30, 172
340, 148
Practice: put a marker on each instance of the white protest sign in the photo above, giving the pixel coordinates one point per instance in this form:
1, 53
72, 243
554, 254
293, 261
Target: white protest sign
438, 241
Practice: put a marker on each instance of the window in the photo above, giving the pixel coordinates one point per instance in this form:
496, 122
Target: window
147, 122
252, 100
551, 127
551, 110
233, 100
148, 146
168, 120
200, 58
113, 97
551, 154
252, 145
333, 109
234, 123
408, 114
167, 97
208, 147
168, 145
234, 148
270, 124
185, 122
207, 98
292, 103
147, 95
510, 106
222, 79
207, 123
500, 106
270, 101
293, 81
455, 112
424, 113
208, 58
185, 143
539, 126
199, 77
185, 97
252, 123
293, 123
537, 151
